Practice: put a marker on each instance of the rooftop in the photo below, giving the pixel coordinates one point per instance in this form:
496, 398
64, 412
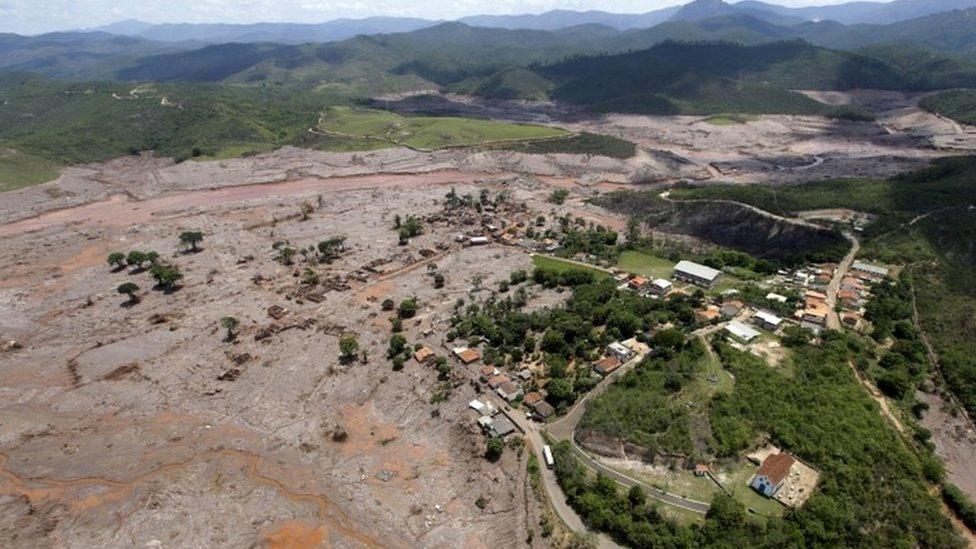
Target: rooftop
870, 268
741, 331
697, 270
776, 467
769, 318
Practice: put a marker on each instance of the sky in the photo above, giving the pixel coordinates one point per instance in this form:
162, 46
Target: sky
38, 16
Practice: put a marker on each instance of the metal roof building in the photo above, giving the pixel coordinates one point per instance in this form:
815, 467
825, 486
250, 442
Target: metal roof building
741, 331
875, 270
696, 273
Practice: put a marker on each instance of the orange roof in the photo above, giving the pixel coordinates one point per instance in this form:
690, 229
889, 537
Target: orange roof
638, 281
468, 356
607, 365
847, 294
815, 295
500, 379
776, 467
423, 354
532, 398
707, 314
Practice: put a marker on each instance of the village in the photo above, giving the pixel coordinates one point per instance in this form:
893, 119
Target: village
753, 316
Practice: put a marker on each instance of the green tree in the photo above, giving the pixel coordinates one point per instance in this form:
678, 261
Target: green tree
287, 255
388, 304
331, 248
166, 276
130, 290
494, 449
191, 239
136, 258
408, 308
559, 196
561, 391
348, 347
636, 496
633, 232
230, 324
397, 344
116, 260
438, 280
152, 258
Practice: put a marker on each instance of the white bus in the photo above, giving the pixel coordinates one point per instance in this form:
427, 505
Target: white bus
547, 454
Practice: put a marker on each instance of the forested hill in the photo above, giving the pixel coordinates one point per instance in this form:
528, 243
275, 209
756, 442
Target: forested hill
673, 77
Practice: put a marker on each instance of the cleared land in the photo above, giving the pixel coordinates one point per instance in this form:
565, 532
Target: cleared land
428, 132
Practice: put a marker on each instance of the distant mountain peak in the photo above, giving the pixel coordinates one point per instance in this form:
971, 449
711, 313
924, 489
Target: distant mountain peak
704, 9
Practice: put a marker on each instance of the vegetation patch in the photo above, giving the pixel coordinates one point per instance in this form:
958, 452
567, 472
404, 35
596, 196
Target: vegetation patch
18, 170
427, 132
583, 143
957, 105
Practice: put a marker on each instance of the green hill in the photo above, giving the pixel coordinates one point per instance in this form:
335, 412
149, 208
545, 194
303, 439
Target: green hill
674, 78
957, 105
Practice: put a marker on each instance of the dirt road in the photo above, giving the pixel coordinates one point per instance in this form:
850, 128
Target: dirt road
833, 319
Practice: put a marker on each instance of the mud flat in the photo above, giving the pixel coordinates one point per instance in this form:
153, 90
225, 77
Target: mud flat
955, 442
140, 425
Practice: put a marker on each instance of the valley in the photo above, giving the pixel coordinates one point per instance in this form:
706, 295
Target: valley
695, 277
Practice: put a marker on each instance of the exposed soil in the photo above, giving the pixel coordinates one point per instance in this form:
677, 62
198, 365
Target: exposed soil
139, 425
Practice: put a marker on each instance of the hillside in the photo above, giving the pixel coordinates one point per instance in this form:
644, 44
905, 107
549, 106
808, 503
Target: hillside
674, 78
957, 105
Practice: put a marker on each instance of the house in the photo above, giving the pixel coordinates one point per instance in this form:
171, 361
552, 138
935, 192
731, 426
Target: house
741, 332
467, 355
543, 409
636, 346
607, 365
659, 287
776, 297
868, 270
767, 321
771, 474
488, 372
484, 408
501, 427
478, 240
849, 299
707, 314
637, 283
816, 309
423, 354
731, 308
533, 398
509, 391
619, 350
694, 273
525, 374
497, 381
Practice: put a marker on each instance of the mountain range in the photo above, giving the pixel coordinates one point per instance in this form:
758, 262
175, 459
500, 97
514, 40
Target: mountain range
852, 13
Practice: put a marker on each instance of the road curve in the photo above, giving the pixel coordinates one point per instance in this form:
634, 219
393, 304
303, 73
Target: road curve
565, 429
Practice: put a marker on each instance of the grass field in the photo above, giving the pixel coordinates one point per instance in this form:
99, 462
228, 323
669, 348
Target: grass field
562, 265
18, 170
428, 132
645, 265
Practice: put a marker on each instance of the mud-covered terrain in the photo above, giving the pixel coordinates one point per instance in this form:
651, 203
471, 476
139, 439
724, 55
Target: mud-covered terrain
141, 425
131, 425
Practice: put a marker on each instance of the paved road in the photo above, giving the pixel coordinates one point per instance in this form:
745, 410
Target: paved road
565, 429
549, 482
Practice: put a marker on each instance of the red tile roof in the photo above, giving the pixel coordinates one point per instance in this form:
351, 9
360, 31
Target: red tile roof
776, 467
532, 398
